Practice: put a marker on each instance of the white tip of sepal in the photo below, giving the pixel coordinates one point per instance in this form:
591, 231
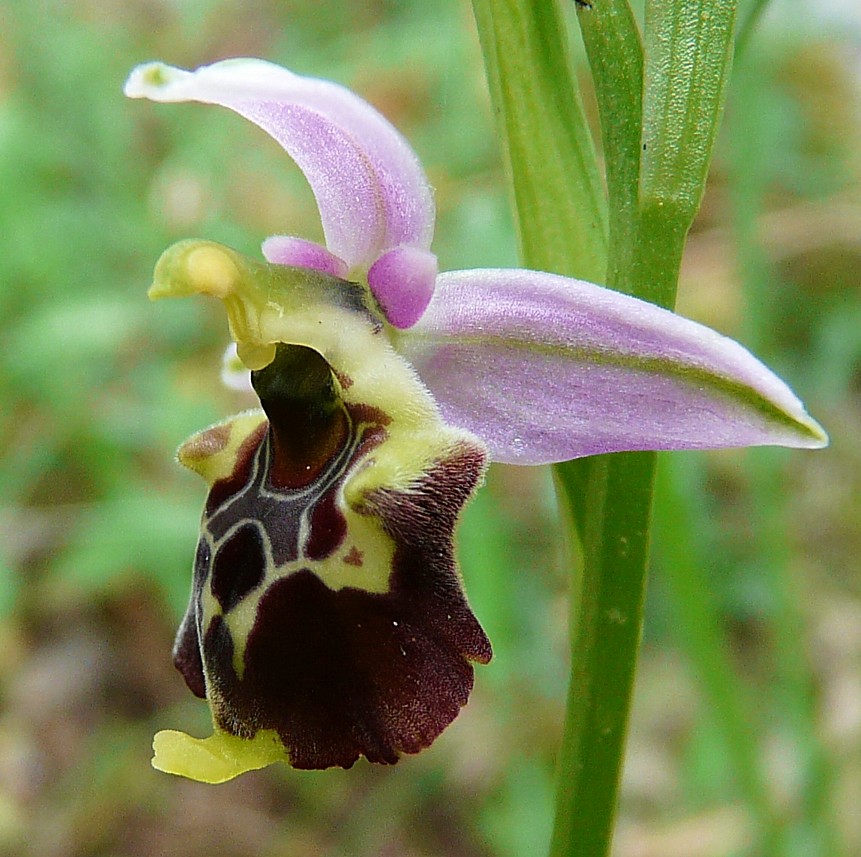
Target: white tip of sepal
154, 80
159, 81
786, 422
810, 433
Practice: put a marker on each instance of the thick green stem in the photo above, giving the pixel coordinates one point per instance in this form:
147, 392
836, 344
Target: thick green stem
606, 626
657, 161
607, 615
659, 117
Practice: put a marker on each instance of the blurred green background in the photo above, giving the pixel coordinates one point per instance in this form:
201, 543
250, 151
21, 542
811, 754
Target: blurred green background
749, 691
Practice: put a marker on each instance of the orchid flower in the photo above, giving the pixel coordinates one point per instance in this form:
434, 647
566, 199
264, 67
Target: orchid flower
327, 618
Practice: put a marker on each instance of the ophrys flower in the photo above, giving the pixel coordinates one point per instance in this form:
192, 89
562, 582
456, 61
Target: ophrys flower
327, 617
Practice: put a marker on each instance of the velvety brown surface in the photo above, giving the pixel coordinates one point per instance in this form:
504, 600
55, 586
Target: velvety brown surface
349, 673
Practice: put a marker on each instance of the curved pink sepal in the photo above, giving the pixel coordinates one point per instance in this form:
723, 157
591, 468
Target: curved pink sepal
402, 281
544, 368
299, 253
370, 188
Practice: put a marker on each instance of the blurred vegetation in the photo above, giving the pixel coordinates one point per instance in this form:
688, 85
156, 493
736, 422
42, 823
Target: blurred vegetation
750, 683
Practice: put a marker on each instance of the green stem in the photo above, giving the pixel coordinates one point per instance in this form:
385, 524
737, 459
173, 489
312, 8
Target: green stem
606, 626
607, 612
657, 158
653, 199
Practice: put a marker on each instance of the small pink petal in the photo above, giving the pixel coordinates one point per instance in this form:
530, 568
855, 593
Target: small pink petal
402, 281
299, 253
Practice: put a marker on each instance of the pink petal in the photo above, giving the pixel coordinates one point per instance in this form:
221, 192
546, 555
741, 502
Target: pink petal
299, 253
370, 187
402, 281
544, 368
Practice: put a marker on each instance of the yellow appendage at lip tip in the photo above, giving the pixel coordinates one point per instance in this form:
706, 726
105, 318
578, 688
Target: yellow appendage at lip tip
216, 759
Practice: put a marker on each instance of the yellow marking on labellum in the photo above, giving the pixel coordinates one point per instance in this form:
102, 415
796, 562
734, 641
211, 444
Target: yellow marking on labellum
209, 606
216, 759
240, 621
378, 551
241, 617
336, 572
212, 453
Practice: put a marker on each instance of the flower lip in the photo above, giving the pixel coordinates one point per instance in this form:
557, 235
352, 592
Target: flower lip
327, 614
